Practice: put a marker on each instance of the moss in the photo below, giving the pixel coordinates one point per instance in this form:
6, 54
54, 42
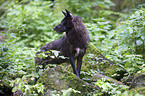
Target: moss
92, 49
110, 70
101, 62
59, 79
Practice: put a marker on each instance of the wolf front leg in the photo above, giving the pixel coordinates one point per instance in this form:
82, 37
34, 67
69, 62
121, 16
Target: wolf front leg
72, 61
79, 63
79, 59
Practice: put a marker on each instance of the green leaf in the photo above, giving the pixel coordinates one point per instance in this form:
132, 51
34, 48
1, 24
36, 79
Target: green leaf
127, 53
127, 64
56, 53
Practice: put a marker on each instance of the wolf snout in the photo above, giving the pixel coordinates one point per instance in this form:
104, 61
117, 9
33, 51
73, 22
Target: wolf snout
54, 28
57, 28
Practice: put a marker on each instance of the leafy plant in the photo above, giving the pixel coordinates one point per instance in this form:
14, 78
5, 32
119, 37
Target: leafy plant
85, 8
32, 22
98, 30
125, 44
110, 88
113, 89
17, 66
22, 85
28, 24
67, 92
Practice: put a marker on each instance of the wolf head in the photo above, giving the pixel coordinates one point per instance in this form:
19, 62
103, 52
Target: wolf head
66, 24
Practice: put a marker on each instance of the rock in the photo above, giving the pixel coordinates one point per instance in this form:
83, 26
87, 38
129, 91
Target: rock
99, 62
62, 78
98, 76
140, 90
138, 81
138, 84
59, 79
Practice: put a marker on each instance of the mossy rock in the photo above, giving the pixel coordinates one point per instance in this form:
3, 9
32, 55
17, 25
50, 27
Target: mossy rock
138, 81
62, 77
59, 79
97, 62
111, 70
98, 76
101, 62
138, 84
140, 90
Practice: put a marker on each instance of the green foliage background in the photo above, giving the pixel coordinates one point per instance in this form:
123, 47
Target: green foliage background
25, 25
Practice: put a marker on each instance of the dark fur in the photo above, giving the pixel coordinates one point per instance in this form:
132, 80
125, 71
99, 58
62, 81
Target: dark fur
72, 45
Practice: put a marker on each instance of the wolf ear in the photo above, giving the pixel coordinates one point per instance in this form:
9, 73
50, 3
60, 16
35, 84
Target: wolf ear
64, 13
69, 14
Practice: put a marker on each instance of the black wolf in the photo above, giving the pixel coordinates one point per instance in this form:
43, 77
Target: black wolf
73, 45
